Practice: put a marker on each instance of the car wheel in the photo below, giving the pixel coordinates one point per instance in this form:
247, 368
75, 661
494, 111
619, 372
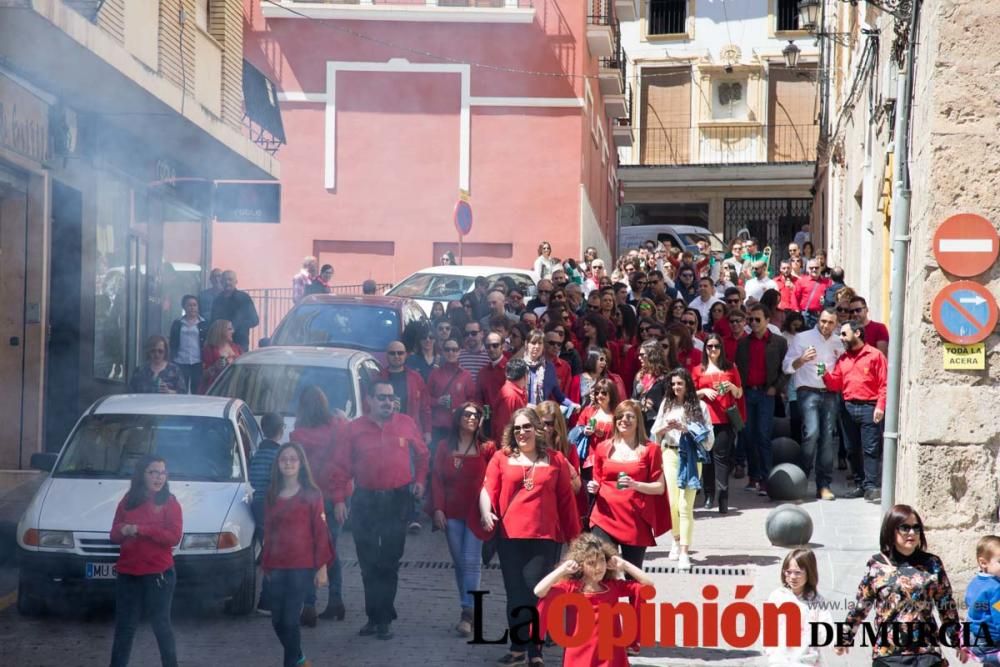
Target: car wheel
245, 597
28, 605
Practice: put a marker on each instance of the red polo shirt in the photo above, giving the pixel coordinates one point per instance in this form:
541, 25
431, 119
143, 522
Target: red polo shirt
490, 380
757, 370
860, 376
377, 457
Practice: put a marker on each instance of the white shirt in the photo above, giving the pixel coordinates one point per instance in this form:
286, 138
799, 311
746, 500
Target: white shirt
703, 307
189, 347
756, 287
672, 437
828, 350
812, 611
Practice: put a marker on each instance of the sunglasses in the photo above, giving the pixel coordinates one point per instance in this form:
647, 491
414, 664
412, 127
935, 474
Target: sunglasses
907, 528
627, 417
470, 414
853, 311
843, 310
690, 323
756, 319
451, 349
713, 346
553, 343
384, 398
734, 302
394, 353
470, 334
494, 346
523, 429
735, 321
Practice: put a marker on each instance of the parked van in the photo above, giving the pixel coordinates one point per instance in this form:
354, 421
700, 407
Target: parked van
681, 236
64, 537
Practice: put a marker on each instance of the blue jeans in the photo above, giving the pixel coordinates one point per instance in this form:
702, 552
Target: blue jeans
865, 436
987, 655
152, 594
333, 572
288, 590
758, 431
466, 553
819, 416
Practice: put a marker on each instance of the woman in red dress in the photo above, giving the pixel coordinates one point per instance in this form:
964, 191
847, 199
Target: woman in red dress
718, 383
528, 497
456, 478
631, 508
218, 353
592, 568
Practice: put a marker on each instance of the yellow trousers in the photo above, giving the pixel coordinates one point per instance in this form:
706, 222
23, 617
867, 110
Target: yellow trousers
681, 500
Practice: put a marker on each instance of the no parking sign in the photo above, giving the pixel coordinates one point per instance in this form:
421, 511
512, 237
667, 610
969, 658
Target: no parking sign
964, 312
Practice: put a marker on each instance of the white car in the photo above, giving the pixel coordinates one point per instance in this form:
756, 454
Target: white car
449, 283
272, 379
63, 538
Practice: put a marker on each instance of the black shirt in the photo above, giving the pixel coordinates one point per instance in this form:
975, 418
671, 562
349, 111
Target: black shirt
398, 382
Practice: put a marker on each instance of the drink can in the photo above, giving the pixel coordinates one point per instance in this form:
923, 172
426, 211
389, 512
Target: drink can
486, 412
820, 368
592, 423
621, 476
447, 400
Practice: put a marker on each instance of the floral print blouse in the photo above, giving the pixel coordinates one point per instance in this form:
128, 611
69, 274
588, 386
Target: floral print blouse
905, 592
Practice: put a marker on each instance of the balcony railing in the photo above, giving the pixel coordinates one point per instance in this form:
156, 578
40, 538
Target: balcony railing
273, 303
727, 144
601, 12
494, 4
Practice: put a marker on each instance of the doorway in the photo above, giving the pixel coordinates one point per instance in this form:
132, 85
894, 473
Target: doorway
13, 249
62, 377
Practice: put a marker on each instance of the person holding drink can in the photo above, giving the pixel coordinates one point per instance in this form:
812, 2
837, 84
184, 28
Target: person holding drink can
448, 385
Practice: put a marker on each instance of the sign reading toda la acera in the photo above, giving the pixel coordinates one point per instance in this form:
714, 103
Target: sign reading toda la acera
964, 313
966, 245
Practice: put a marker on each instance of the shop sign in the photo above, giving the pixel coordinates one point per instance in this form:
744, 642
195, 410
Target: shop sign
24, 121
965, 357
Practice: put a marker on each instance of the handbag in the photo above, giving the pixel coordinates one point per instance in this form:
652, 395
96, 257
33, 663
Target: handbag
735, 418
489, 549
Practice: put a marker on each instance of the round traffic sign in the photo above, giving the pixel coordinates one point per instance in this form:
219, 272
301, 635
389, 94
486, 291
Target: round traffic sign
964, 312
966, 245
463, 217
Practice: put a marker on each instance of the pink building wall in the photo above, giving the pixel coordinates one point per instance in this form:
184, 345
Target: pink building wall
397, 148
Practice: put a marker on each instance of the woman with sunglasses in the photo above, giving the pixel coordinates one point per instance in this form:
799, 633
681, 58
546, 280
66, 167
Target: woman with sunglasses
448, 258
456, 478
543, 383
527, 495
682, 414
718, 384
448, 385
158, 375
544, 263
630, 507
904, 584
651, 381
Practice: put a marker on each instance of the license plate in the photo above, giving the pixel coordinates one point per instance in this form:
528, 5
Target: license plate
102, 571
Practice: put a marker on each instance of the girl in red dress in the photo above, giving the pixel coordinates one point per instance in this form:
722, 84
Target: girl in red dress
592, 568
456, 478
718, 383
528, 497
631, 507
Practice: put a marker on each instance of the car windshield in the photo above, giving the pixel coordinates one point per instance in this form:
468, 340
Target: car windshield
433, 286
277, 387
714, 242
195, 448
361, 327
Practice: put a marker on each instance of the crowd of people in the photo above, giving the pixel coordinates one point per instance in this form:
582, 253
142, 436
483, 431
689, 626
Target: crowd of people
589, 418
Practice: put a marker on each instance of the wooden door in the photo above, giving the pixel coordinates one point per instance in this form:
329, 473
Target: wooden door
13, 233
665, 116
792, 130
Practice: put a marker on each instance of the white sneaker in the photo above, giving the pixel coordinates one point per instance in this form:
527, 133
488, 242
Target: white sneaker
674, 552
684, 562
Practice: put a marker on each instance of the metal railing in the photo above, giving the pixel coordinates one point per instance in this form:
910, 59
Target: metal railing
667, 17
601, 12
493, 4
273, 303
618, 60
727, 144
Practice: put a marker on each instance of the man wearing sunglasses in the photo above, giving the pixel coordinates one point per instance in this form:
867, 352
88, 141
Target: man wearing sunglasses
860, 376
876, 333
411, 397
809, 293
759, 358
473, 356
493, 375
545, 288
382, 456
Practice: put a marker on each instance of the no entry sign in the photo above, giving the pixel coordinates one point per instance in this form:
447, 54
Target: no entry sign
964, 312
966, 245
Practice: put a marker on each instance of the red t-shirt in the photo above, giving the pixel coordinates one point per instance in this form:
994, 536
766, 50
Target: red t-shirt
876, 332
757, 353
546, 511
150, 551
632, 518
295, 533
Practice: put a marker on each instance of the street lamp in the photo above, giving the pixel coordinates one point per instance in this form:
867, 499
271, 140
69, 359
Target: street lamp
791, 53
809, 14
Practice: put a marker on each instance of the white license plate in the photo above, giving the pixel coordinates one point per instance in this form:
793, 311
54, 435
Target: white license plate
102, 571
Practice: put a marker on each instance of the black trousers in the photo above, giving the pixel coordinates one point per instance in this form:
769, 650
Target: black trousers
631, 553
524, 563
379, 520
715, 478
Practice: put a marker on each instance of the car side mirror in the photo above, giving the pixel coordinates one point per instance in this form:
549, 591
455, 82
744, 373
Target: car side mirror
44, 461
264, 342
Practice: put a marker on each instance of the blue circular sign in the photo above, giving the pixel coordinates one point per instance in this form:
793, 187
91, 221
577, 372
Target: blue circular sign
463, 217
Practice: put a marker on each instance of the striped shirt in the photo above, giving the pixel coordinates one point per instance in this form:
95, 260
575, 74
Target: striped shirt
473, 361
260, 469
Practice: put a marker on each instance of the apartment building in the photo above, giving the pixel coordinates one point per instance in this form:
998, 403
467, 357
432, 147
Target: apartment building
722, 130
117, 118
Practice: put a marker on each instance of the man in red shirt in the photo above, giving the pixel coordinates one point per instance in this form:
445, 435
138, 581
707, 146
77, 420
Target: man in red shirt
759, 358
376, 456
786, 286
553, 346
860, 376
491, 376
512, 397
809, 291
411, 393
876, 333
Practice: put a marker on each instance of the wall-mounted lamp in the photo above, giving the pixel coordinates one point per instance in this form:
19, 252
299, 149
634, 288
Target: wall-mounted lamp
791, 53
809, 19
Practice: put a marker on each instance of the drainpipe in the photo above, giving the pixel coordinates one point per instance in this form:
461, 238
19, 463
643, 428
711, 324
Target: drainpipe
900, 251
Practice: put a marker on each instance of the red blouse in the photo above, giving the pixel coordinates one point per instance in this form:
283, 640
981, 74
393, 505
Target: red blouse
603, 429
149, 551
456, 481
546, 511
718, 407
632, 518
295, 533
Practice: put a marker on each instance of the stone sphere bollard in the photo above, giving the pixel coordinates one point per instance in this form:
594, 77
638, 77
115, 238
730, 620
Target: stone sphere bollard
787, 481
785, 450
788, 526
783, 428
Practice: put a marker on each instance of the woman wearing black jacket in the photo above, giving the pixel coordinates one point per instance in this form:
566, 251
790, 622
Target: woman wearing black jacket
187, 337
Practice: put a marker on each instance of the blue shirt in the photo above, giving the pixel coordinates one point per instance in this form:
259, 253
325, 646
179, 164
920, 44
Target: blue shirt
260, 469
984, 592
